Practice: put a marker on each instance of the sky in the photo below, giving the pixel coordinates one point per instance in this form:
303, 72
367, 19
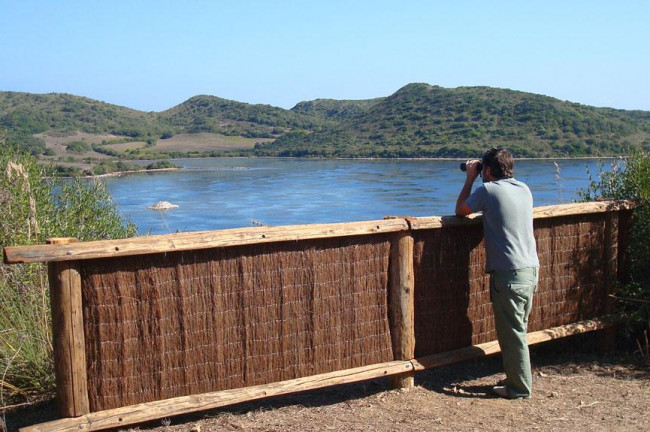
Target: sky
151, 55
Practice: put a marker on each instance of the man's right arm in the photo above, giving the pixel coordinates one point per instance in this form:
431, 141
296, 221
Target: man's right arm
462, 209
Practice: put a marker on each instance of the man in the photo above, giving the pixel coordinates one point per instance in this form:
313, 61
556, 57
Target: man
511, 259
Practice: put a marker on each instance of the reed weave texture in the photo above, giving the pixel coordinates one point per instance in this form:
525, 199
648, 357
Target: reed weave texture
452, 294
167, 325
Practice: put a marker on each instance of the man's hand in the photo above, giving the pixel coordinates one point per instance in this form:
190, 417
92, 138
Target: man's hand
472, 169
462, 209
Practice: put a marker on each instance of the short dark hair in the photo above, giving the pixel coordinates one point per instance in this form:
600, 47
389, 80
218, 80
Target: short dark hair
500, 161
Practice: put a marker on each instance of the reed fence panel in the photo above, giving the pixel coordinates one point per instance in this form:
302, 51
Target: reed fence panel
176, 324
452, 291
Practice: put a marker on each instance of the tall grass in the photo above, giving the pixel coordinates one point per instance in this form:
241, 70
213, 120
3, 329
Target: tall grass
31, 210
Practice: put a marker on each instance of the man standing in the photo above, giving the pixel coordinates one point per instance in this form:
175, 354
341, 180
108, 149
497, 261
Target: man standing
511, 259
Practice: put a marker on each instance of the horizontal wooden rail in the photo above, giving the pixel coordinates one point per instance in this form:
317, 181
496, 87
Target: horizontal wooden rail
489, 348
257, 235
558, 210
134, 414
129, 415
196, 240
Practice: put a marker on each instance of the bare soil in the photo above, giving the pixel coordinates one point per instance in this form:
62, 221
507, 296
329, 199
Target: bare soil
199, 142
58, 142
577, 388
204, 141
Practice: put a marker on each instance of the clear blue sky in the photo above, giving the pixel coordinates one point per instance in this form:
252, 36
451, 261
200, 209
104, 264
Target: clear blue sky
154, 54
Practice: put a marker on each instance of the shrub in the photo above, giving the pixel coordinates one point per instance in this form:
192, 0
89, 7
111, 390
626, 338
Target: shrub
161, 165
629, 178
78, 147
32, 210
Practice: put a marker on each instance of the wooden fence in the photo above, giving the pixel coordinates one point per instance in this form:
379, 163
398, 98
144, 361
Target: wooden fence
157, 326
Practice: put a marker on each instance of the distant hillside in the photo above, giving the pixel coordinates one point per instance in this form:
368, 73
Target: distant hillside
217, 115
419, 120
338, 110
23, 115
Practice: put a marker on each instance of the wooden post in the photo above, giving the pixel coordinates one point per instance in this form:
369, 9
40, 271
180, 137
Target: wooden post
401, 294
68, 332
608, 341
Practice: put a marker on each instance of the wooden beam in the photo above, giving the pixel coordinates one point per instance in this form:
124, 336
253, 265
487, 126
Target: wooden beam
120, 417
196, 240
581, 208
68, 332
401, 294
419, 223
610, 273
489, 348
258, 235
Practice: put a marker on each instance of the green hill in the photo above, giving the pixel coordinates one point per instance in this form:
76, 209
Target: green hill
227, 117
337, 110
419, 120
23, 115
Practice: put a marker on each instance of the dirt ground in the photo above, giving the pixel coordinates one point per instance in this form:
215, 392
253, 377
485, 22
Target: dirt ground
577, 388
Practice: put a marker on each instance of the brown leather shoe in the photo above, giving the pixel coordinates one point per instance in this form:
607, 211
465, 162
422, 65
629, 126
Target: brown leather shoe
501, 391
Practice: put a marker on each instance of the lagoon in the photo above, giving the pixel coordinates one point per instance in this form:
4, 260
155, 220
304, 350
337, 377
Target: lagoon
219, 193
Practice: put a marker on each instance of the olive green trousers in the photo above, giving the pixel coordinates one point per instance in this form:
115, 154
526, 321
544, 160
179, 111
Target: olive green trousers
512, 300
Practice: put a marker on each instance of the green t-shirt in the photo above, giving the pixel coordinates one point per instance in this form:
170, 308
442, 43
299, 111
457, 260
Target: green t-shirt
507, 207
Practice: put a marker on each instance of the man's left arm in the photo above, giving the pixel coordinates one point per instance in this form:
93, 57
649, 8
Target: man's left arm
462, 209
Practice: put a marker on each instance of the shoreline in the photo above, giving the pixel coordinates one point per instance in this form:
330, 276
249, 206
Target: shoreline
121, 173
117, 173
370, 158
424, 159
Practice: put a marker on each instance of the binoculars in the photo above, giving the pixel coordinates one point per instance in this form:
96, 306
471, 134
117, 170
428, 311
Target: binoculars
463, 166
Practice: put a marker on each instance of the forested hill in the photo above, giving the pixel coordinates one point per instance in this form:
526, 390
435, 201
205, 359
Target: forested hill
217, 115
23, 115
419, 120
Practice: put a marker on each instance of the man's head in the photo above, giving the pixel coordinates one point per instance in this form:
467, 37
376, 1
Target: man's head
499, 161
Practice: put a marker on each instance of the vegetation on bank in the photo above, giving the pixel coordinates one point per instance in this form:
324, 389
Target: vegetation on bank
111, 167
419, 120
31, 210
629, 178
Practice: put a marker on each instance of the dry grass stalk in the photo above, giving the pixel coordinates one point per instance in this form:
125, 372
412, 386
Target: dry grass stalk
17, 172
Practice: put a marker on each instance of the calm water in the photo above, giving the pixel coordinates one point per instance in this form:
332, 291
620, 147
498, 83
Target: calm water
227, 193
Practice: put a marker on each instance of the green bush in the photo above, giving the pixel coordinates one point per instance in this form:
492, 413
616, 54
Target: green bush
31, 210
78, 147
629, 178
164, 164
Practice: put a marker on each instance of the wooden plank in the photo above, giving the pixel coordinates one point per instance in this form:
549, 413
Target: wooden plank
134, 414
581, 208
402, 286
419, 223
257, 235
610, 273
489, 348
67, 329
196, 240
434, 222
